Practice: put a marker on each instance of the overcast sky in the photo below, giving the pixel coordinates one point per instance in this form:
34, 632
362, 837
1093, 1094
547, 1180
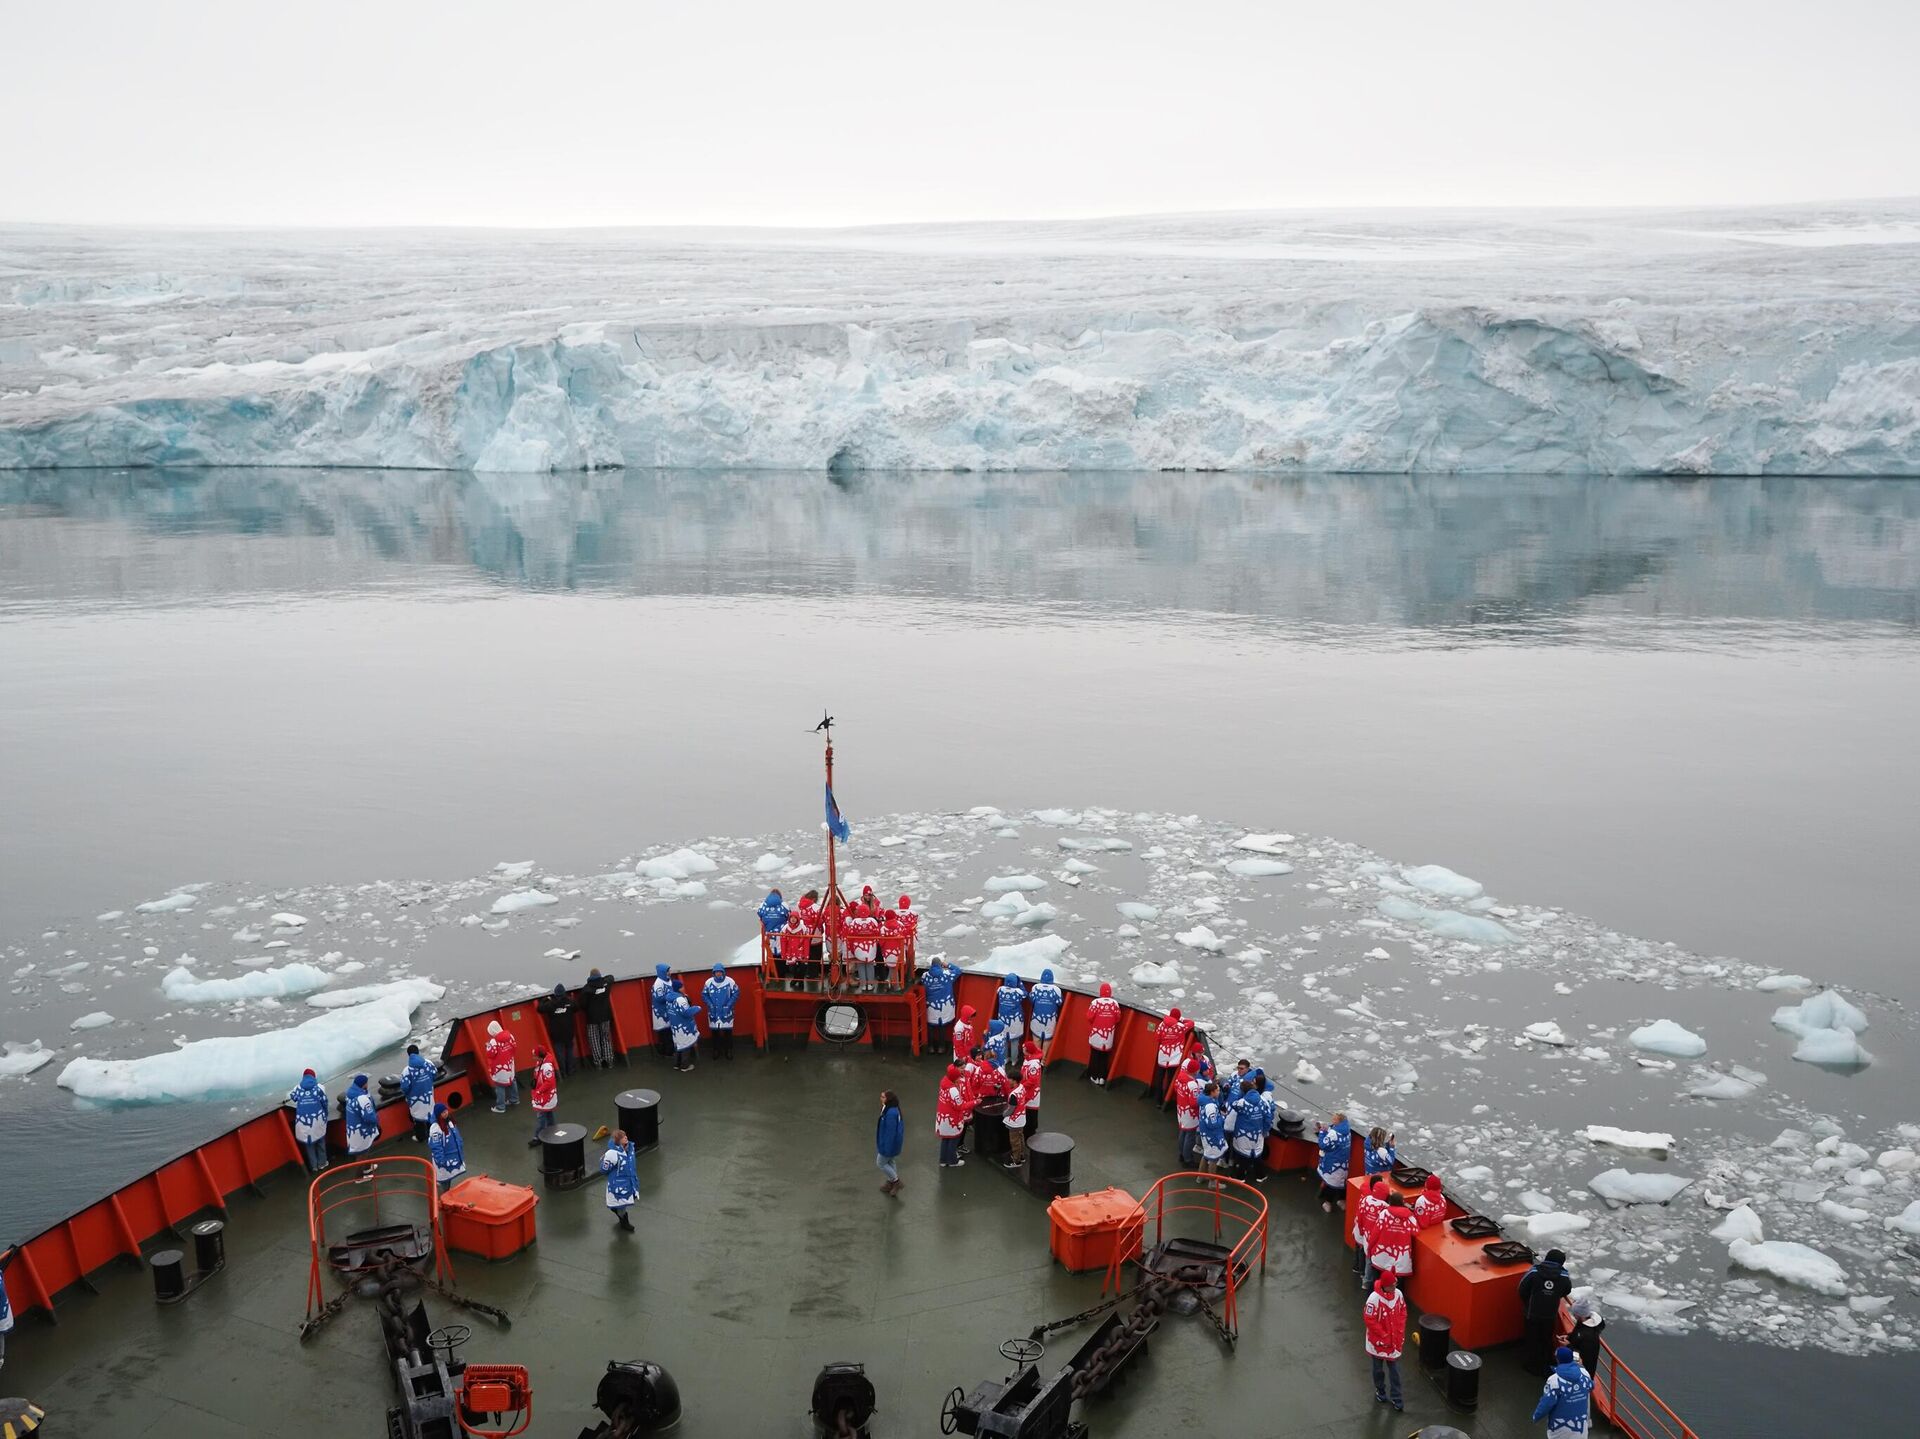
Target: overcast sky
649, 112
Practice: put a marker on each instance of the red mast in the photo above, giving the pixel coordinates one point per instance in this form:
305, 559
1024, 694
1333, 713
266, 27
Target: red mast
833, 907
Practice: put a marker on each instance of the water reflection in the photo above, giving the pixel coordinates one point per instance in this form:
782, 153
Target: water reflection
1479, 559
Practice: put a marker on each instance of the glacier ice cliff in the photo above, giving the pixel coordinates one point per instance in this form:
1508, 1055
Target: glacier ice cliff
1734, 343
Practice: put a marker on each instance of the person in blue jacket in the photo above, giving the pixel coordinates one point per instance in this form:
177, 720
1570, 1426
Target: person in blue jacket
1381, 1155
416, 1087
623, 1178
6, 1306
1212, 1131
1248, 1114
661, 1001
889, 1138
938, 982
1010, 1006
1566, 1402
1336, 1155
309, 1101
721, 993
683, 1022
994, 1044
449, 1151
773, 918
362, 1121
1047, 1001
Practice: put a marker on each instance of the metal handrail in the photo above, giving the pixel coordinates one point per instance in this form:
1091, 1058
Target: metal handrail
1626, 1399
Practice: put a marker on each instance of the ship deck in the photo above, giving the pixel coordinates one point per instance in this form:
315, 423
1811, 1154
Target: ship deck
764, 1251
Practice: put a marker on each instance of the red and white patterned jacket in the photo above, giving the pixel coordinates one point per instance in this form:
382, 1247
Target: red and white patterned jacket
1103, 1018
546, 1085
500, 1057
1390, 1240
1386, 1321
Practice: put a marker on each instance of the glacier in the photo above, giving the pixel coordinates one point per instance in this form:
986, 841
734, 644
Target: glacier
1770, 341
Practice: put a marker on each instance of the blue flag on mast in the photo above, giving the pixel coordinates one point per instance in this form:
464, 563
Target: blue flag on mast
840, 829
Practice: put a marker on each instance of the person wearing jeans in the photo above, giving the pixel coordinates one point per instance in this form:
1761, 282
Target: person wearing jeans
1386, 1328
889, 1138
546, 1093
309, 1101
502, 1067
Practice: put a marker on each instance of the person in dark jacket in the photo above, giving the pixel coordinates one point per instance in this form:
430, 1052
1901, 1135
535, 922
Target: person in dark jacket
889, 1138
1587, 1326
558, 1009
596, 999
1541, 1290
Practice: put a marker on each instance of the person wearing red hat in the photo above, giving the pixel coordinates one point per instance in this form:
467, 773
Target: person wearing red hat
1390, 1239
795, 944
1103, 1021
1370, 1205
1016, 1122
1032, 1066
1385, 1317
951, 1107
546, 1093
1170, 1043
1186, 1108
963, 1035
862, 930
1430, 1206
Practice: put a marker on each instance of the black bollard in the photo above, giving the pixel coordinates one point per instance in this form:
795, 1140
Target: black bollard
563, 1154
640, 1117
1050, 1165
209, 1245
990, 1129
1463, 1380
169, 1276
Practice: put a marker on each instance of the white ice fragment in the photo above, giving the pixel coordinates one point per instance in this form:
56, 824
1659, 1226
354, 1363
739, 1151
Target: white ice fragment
1025, 959
1907, 1221
1006, 883
1377, 953
1622, 1186
1541, 1228
1446, 923
1663, 1036
1086, 845
1127, 931
1629, 1138
1711, 1084
522, 899
1775, 982
1258, 868
1839, 1048
771, 863
1741, 1223
168, 905
1438, 879
180, 984
1200, 937
510, 869
957, 931
1264, 843
1305, 1073
21, 1059
1791, 1262
1546, 1031
1133, 909
1843, 1213
95, 1020
235, 1066
1056, 816
681, 864
288, 920
1080, 866
1829, 1009
1150, 974
415, 991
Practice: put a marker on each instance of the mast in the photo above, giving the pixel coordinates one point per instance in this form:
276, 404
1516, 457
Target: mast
833, 907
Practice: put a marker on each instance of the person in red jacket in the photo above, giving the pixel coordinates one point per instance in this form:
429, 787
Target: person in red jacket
501, 1071
1032, 1066
892, 940
951, 1109
1370, 1205
795, 947
1386, 1321
963, 1035
546, 1093
816, 924
1390, 1239
1016, 1121
1430, 1205
1103, 1020
1170, 1043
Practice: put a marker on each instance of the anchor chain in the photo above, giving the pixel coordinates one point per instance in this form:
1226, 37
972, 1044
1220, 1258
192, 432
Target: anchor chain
1153, 1303
843, 1426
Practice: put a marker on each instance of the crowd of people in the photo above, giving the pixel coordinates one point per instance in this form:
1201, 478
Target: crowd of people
876, 939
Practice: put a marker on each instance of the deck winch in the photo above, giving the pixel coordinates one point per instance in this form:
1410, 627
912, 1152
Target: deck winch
843, 1401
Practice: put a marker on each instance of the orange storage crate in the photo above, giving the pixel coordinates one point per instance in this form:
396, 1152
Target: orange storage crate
486, 1217
1086, 1228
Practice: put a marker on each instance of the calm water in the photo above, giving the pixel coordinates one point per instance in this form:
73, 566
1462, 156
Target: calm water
1683, 708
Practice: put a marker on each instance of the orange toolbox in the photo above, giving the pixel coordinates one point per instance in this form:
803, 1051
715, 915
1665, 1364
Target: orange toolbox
1087, 1228
486, 1217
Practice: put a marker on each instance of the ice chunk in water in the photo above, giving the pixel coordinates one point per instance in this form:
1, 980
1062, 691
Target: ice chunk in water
1794, 1263
1304, 1073
1094, 846
1840, 1048
235, 1066
1264, 843
168, 905
1258, 868
287, 920
1543, 1228
1151, 974
1741, 1223
1775, 982
681, 864
1200, 937
1629, 1138
21, 1059
1133, 909
771, 863
523, 899
1546, 1032
97, 1020
1447, 923
1828, 1009
1025, 959
1438, 879
1622, 1186
415, 992
1003, 883
1907, 1221
182, 986
1663, 1036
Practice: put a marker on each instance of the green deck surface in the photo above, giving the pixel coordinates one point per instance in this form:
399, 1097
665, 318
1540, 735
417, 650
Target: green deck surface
764, 1251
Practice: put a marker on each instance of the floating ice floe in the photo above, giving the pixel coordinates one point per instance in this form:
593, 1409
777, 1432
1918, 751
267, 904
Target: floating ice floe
1546, 1031
288, 920
1258, 868
1829, 1009
17, 1059
1544, 1228
1438, 879
1629, 1138
771, 863
1056, 816
169, 904
1156, 975
511, 869
1079, 866
681, 864
1133, 909
1738, 1083
1663, 1036
1025, 959
1776, 982
1446, 923
1793, 1263
1625, 1186
1741, 1223
99, 1019
1836, 1048
415, 992
1264, 843
568, 954
235, 1066
1009, 883
957, 931
1907, 1221
1305, 1073
1094, 845
181, 985
1200, 937
523, 899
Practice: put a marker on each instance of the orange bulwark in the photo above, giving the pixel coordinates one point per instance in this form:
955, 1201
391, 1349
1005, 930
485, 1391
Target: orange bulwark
1623, 1397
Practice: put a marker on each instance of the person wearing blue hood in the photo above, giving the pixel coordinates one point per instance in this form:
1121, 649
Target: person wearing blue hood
416, 1086
721, 993
449, 1151
994, 1045
1567, 1401
623, 1177
683, 1022
1010, 1007
1047, 1003
661, 1004
309, 1101
938, 984
1336, 1154
773, 919
362, 1121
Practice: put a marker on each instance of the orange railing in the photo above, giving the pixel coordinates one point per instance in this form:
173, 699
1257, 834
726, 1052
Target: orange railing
404, 1177
1227, 1203
1623, 1397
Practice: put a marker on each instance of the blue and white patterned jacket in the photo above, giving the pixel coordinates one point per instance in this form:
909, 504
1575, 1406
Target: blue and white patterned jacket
623, 1178
449, 1152
721, 993
1564, 1402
